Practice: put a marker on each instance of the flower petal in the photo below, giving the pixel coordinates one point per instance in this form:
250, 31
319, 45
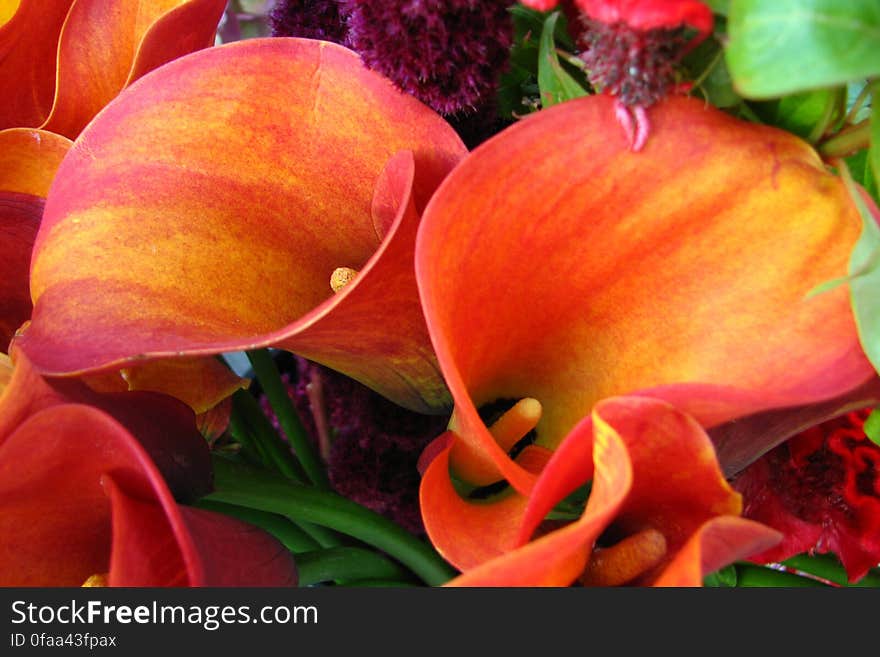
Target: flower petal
156, 543
557, 558
163, 426
276, 218
655, 471
19, 221
28, 46
105, 46
740, 442
56, 472
555, 263
28, 162
29, 159
466, 533
719, 542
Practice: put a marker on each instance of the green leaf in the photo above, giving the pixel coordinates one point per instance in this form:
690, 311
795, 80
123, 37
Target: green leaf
556, 84
706, 67
864, 275
751, 575
872, 426
806, 114
242, 485
874, 151
518, 84
718, 6
724, 578
787, 46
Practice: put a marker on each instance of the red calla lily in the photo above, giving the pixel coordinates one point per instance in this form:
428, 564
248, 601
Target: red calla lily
555, 264
61, 61
81, 496
189, 220
659, 510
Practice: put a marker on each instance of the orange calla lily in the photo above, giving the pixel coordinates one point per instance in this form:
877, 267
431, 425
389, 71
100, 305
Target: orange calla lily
555, 264
63, 60
29, 159
189, 220
659, 510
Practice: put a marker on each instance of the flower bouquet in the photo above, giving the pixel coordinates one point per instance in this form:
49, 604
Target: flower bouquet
342, 293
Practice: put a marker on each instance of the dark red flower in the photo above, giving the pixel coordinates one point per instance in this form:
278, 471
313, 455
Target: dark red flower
446, 53
310, 19
371, 445
822, 490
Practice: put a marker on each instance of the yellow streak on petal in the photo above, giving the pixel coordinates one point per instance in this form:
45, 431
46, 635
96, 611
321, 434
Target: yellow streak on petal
5, 372
97, 580
7, 10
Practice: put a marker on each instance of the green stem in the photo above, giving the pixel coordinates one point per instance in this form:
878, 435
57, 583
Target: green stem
749, 575
829, 568
250, 448
270, 379
716, 59
848, 141
292, 537
345, 563
822, 124
246, 410
857, 104
237, 483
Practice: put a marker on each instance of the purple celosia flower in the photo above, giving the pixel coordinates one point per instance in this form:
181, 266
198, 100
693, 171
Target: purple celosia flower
310, 19
446, 53
371, 445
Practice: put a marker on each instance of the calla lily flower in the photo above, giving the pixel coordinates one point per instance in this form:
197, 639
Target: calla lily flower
557, 266
29, 159
81, 496
189, 220
659, 509
61, 61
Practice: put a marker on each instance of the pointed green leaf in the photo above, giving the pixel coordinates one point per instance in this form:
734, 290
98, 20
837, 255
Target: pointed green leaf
556, 84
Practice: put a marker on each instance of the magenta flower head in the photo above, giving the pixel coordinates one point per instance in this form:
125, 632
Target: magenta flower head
446, 53
310, 19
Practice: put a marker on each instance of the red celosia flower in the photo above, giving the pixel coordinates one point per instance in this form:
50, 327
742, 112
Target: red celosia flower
631, 47
822, 490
